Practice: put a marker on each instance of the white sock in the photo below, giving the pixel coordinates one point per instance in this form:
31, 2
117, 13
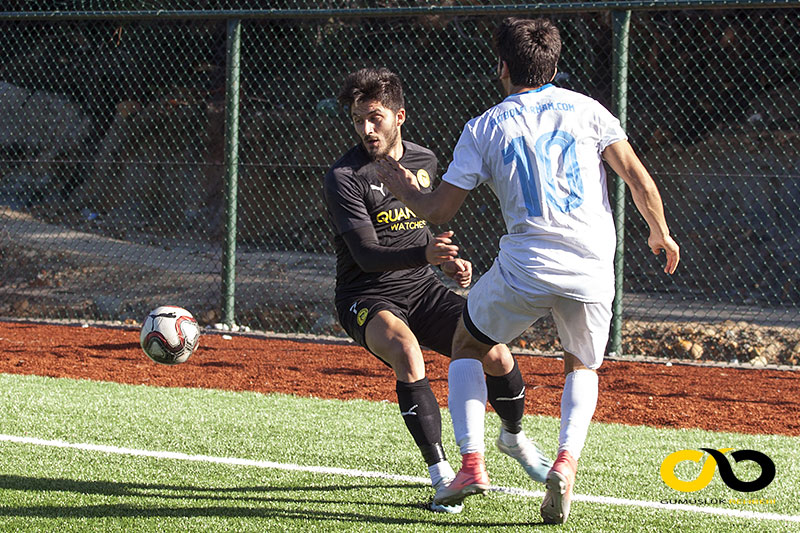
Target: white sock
578, 402
512, 439
467, 403
439, 471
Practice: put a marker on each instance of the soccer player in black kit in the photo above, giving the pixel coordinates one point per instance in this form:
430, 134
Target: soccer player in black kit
388, 298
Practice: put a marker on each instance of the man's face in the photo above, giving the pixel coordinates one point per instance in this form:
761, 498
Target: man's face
378, 127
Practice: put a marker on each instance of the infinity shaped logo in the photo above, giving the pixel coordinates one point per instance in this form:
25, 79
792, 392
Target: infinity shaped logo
717, 457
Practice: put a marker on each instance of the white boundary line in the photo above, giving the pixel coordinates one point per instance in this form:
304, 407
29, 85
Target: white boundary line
606, 500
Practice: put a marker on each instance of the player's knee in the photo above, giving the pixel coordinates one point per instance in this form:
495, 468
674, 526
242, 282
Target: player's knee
406, 360
498, 361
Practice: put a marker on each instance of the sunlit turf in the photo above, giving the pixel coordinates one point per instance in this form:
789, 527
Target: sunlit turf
46, 488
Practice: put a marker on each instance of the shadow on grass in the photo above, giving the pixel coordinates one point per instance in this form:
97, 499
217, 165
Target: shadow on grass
269, 502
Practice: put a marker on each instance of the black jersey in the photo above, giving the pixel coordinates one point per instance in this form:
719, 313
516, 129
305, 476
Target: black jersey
356, 198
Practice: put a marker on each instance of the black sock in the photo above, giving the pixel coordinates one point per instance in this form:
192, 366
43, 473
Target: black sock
423, 419
507, 397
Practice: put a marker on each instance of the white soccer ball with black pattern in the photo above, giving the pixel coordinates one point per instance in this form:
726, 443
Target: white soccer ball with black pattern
169, 335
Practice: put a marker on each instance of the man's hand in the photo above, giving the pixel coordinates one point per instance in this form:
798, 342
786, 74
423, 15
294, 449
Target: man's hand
441, 249
626, 163
459, 270
437, 207
398, 179
669, 245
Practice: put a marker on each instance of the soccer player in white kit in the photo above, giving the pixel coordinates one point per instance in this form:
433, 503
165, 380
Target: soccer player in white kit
541, 151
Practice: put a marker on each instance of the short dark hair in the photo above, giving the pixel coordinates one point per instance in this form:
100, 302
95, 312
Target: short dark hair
530, 48
379, 84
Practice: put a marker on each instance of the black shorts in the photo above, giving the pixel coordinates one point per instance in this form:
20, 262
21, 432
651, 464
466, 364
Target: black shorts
430, 311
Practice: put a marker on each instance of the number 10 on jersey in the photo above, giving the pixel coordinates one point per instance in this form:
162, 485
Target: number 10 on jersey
550, 171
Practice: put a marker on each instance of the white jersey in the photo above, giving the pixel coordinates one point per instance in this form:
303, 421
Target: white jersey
540, 152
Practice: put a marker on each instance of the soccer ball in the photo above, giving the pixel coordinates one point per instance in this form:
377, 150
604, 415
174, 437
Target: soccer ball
169, 335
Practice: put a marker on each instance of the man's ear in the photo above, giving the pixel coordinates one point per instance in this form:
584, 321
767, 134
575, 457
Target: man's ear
503, 71
401, 116
555, 71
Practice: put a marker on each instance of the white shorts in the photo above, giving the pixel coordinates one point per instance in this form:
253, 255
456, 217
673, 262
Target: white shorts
501, 313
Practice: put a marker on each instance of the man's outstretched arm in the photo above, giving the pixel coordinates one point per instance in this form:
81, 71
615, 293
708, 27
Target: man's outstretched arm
626, 163
370, 256
436, 207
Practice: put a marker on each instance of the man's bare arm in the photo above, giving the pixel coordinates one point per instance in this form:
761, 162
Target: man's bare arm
644, 191
437, 207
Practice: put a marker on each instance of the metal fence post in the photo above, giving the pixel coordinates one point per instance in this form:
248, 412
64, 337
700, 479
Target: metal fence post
621, 28
231, 168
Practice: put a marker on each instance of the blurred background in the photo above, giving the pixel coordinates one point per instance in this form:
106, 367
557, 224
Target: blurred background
116, 178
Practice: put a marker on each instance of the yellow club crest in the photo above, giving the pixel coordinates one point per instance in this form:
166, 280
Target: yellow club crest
423, 178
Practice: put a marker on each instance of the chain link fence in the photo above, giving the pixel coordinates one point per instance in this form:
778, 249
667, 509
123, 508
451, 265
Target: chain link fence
113, 158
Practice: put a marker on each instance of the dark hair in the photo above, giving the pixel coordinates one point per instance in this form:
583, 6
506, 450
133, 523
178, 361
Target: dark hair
380, 84
530, 48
